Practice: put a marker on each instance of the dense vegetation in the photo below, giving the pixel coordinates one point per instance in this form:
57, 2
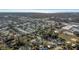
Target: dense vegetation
42, 39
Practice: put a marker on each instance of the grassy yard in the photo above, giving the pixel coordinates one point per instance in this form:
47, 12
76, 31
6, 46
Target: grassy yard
68, 37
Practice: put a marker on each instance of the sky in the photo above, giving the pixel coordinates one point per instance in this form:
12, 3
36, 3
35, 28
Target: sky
40, 10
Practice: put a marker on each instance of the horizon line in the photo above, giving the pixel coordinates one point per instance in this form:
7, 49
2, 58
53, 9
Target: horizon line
39, 10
